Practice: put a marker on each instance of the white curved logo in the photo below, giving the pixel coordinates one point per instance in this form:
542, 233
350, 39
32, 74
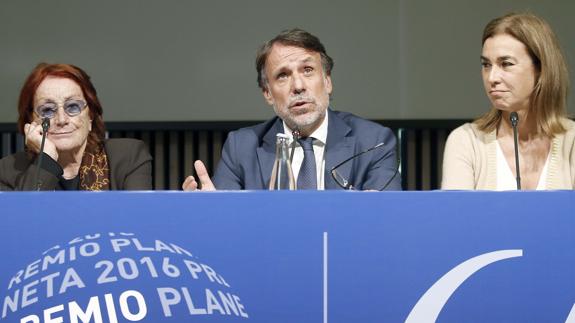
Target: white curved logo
571, 317
432, 302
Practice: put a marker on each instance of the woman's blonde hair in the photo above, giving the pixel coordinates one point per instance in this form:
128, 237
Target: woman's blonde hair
549, 97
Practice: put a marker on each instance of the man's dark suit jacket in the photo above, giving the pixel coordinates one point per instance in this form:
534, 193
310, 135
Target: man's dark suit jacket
129, 161
249, 153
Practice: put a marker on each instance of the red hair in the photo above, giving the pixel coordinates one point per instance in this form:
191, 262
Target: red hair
74, 73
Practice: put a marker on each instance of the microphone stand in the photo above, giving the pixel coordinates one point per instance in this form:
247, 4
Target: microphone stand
514, 118
45, 127
295, 137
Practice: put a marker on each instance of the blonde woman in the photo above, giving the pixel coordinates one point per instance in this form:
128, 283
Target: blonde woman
523, 71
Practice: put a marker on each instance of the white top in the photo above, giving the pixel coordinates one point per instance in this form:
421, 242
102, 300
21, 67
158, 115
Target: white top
320, 136
506, 180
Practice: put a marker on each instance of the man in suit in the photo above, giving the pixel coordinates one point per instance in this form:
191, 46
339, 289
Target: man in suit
294, 74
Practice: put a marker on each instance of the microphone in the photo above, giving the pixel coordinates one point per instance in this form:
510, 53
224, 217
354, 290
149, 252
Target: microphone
45, 127
344, 183
514, 118
295, 135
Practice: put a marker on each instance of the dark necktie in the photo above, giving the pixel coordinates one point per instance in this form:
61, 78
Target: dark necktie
307, 177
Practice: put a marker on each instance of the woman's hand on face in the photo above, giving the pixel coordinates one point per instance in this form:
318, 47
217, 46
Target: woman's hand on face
33, 138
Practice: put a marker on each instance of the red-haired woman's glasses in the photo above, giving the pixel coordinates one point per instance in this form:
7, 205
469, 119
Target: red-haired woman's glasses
71, 107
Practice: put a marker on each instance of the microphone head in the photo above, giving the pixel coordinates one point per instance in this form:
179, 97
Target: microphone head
45, 124
295, 134
514, 118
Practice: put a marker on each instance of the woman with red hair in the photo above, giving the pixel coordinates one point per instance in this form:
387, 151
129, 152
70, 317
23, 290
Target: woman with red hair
76, 156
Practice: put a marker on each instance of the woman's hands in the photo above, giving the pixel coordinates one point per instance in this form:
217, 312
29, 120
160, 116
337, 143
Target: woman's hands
33, 139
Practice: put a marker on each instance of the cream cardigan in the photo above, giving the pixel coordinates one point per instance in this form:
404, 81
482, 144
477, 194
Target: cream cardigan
470, 159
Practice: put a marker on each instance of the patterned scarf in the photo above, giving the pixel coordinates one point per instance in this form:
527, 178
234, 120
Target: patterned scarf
94, 170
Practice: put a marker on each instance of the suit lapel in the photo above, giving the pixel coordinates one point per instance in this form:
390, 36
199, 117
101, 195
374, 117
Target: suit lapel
266, 151
339, 146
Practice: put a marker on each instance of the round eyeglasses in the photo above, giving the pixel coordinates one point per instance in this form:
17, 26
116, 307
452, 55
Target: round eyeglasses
71, 107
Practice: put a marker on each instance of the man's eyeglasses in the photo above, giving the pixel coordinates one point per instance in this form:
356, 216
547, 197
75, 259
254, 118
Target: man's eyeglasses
344, 183
71, 107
